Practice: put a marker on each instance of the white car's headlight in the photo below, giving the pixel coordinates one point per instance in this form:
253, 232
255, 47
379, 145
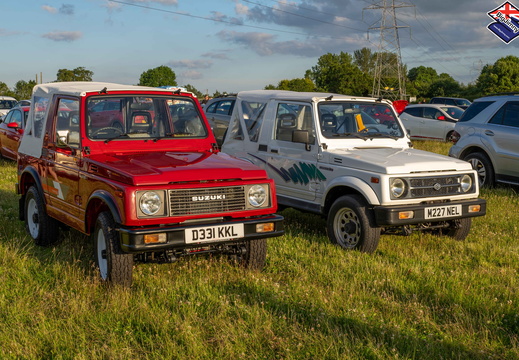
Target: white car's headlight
150, 203
398, 188
257, 195
466, 183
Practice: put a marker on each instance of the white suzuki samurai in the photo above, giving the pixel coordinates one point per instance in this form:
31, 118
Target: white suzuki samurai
350, 159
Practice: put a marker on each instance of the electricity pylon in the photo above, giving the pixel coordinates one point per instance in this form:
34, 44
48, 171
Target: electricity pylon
389, 76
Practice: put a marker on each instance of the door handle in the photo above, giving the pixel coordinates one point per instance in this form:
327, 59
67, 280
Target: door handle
275, 151
489, 133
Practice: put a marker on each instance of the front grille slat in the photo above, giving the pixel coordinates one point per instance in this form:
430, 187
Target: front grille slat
206, 200
435, 186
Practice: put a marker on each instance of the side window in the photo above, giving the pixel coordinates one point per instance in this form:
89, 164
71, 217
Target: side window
511, 117
17, 117
212, 107
67, 123
474, 109
450, 102
417, 111
40, 107
430, 113
291, 117
224, 107
253, 116
8, 117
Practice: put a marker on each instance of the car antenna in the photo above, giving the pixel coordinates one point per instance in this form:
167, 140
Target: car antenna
176, 92
104, 91
329, 98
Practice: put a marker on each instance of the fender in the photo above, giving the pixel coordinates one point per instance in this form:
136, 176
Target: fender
32, 172
107, 198
355, 183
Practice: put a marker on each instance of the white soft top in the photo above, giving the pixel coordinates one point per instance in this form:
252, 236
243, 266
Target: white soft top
42, 95
265, 95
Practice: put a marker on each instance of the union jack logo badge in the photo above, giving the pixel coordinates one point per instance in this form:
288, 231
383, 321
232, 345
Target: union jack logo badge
506, 22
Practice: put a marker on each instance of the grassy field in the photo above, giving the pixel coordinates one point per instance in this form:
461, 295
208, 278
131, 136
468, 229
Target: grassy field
416, 297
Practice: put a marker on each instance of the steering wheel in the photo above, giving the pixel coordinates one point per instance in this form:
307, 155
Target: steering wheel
120, 131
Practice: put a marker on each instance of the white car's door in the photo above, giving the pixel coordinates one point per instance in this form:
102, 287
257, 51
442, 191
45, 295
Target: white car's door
290, 163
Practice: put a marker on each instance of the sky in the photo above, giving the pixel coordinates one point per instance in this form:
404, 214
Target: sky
234, 45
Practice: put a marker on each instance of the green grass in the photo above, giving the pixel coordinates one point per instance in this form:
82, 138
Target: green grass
416, 297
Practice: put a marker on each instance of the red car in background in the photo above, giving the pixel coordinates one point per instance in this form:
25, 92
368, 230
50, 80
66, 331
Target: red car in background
11, 130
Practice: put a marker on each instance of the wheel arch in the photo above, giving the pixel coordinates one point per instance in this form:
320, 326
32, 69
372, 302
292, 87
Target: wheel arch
100, 201
28, 178
348, 186
476, 149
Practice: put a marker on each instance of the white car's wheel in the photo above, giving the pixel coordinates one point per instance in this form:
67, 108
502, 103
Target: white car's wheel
351, 224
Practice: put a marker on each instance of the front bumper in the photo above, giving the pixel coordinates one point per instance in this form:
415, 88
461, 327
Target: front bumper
132, 239
390, 215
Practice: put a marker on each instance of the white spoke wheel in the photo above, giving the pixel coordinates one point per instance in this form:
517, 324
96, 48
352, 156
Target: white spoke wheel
351, 224
115, 266
42, 228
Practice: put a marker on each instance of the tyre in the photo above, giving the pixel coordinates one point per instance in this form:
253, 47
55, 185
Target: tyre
481, 163
255, 254
42, 228
459, 229
351, 224
115, 266
449, 136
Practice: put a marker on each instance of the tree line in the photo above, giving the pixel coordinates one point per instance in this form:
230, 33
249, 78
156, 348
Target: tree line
342, 73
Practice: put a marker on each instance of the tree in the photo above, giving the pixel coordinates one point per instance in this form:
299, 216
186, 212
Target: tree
194, 90
503, 76
78, 74
338, 74
23, 89
4, 90
297, 84
159, 76
365, 60
421, 78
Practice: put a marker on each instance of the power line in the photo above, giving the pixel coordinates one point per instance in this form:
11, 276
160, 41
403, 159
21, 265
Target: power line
223, 21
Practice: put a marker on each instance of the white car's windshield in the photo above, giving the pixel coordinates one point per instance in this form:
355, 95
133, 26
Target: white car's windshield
132, 117
358, 120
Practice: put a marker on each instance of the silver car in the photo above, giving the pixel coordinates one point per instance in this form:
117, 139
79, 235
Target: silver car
430, 121
487, 136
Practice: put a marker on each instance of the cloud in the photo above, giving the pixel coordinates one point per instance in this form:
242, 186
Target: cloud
66, 9
191, 64
266, 45
49, 9
216, 55
218, 16
162, 2
192, 75
67, 36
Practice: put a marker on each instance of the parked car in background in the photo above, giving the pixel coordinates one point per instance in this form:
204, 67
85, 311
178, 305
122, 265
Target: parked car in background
11, 131
487, 136
6, 104
430, 122
23, 103
459, 102
218, 111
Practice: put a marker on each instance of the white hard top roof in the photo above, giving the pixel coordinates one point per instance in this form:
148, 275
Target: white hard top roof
296, 96
80, 88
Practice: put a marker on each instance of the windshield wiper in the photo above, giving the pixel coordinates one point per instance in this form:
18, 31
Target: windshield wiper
354, 134
116, 137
